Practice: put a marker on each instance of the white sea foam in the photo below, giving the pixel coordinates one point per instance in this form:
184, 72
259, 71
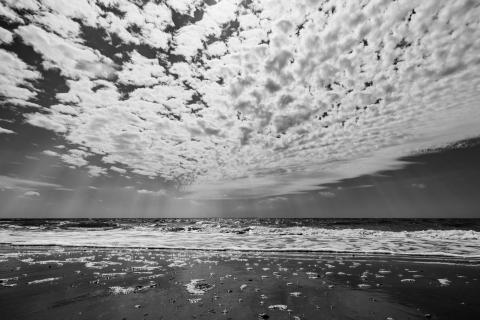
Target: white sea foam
8, 282
112, 274
121, 290
153, 276
100, 264
198, 286
280, 307
261, 238
44, 280
444, 282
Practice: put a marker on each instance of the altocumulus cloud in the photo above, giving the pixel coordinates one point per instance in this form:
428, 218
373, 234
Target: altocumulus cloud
252, 98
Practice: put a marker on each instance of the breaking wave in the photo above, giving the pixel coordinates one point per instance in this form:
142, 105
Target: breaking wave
248, 235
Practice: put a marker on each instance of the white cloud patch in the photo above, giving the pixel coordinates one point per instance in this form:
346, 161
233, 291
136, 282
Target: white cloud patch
15, 79
273, 98
74, 60
117, 169
22, 184
140, 71
160, 192
59, 24
6, 131
31, 194
9, 14
50, 153
96, 171
5, 36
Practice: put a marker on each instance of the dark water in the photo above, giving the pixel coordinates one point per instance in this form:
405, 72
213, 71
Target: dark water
191, 224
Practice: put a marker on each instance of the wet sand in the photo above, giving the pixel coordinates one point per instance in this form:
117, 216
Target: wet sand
98, 283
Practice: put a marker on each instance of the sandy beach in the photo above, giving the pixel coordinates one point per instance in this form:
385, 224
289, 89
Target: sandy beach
101, 283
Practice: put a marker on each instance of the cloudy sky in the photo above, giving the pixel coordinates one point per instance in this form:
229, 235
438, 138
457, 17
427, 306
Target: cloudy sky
239, 108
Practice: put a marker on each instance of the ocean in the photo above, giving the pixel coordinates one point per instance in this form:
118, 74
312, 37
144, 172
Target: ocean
459, 238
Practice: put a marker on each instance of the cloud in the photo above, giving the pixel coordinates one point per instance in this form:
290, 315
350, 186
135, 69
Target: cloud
9, 14
160, 192
74, 60
117, 169
75, 157
16, 79
327, 194
140, 71
254, 99
272, 202
22, 184
59, 24
362, 186
5, 36
44, 121
31, 194
50, 153
6, 131
96, 171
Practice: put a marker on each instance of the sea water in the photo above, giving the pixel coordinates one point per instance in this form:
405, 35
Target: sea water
422, 237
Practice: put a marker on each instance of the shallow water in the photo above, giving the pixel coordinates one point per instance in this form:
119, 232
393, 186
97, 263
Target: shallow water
435, 237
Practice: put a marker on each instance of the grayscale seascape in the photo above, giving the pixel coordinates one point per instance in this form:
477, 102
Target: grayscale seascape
239, 159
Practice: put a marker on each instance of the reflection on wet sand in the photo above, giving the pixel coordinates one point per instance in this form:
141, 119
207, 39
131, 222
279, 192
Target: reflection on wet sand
51, 282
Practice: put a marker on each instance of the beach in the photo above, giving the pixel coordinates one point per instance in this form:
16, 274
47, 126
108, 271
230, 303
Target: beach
57, 282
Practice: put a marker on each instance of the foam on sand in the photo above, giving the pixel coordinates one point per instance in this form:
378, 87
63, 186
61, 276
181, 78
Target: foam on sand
280, 307
198, 286
8, 282
121, 290
444, 282
407, 280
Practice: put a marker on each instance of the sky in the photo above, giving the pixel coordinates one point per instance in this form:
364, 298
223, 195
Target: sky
189, 108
